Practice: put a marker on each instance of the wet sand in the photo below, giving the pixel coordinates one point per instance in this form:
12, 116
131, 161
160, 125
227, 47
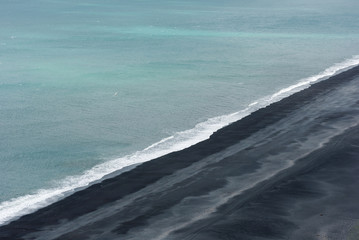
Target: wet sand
287, 171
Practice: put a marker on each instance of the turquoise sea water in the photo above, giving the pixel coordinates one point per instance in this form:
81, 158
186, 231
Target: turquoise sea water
85, 86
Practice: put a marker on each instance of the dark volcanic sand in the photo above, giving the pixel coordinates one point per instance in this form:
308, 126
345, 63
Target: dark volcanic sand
288, 171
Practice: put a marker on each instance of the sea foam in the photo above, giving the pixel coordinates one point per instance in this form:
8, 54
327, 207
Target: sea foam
14, 208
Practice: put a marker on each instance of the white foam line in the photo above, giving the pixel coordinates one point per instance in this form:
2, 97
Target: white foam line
14, 208
323, 75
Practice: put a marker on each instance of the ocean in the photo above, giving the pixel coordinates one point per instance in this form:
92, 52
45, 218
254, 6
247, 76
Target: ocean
90, 88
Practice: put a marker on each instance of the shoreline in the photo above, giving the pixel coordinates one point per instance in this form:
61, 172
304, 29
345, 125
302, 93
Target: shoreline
244, 144
14, 208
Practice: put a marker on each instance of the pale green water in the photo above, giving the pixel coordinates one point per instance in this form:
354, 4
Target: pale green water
85, 82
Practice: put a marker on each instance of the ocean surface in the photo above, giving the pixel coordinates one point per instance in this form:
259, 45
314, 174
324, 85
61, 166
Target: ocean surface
88, 88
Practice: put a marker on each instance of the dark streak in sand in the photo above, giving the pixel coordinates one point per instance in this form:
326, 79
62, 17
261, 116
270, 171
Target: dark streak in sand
287, 171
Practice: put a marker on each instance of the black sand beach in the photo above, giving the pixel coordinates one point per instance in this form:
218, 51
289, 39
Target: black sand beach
288, 171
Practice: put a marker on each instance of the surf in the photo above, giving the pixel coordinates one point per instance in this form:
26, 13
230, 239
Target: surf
15, 208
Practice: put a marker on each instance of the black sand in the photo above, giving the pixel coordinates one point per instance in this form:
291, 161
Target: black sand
288, 171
